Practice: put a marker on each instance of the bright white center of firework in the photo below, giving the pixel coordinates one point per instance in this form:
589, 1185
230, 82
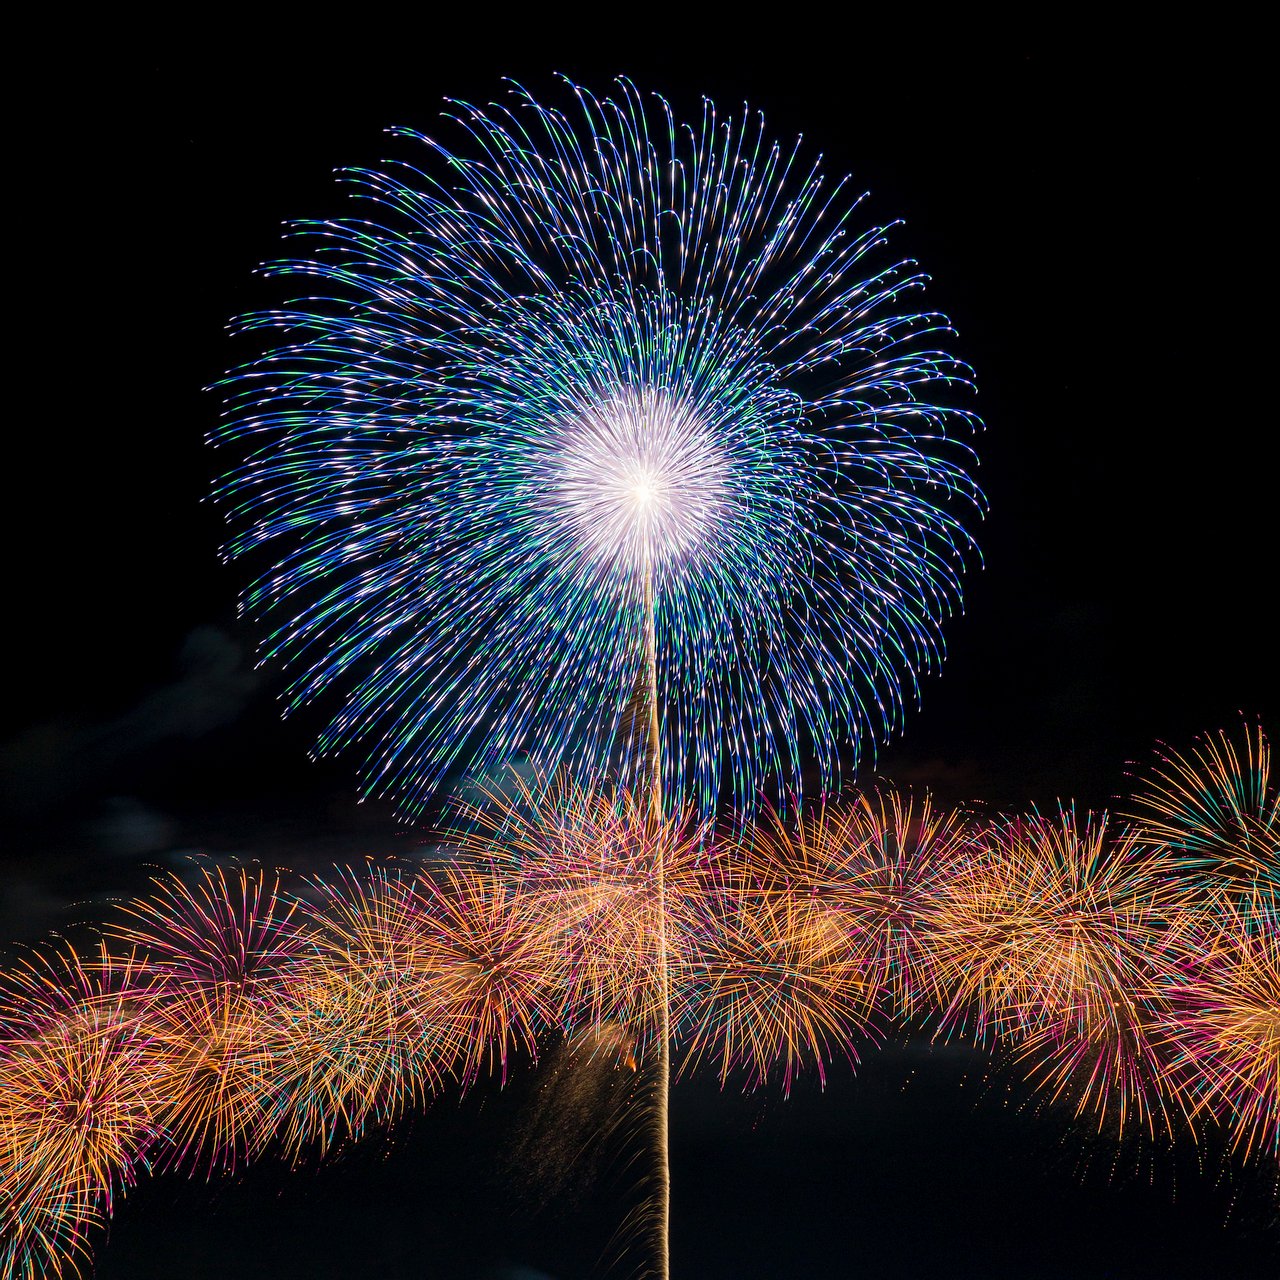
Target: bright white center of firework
638, 474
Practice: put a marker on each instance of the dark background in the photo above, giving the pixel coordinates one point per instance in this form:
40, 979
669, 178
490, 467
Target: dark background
1088, 200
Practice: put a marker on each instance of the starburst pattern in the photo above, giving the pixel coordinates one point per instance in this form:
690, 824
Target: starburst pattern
1224, 1030
776, 986
609, 887
494, 970
81, 1098
219, 946
367, 1031
878, 861
1055, 939
1217, 810
560, 351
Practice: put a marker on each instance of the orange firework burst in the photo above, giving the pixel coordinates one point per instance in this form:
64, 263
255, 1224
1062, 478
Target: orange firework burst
365, 1012
772, 980
243, 1019
221, 927
1224, 1028
899, 850
775, 983
79, 1101
588, 864
219, 949
1057, 938
875, 864
1218, 812
494, 969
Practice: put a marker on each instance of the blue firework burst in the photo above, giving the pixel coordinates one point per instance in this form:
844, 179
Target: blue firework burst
572, 350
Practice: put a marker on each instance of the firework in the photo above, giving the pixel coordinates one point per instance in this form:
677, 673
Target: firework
44, 1234
234, 1018
818, 934
80, 1102
367, 1032
219, 927
1224, 1024
493, 966
218, 947
775, 986
573, 368
588, 862
1218, 812
1057, 939
878, 861
903, 849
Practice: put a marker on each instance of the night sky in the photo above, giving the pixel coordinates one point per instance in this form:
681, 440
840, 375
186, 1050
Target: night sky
1088, 203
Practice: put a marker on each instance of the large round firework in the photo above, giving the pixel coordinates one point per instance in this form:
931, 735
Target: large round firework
565, 368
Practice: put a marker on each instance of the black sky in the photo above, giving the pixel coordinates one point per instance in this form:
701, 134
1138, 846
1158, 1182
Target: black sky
1088, 200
